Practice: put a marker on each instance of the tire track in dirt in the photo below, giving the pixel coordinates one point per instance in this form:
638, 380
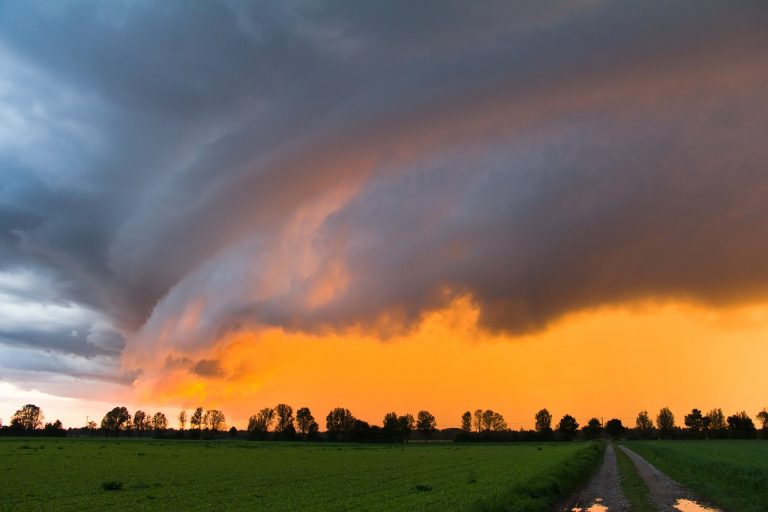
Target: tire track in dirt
603, 492
667, 495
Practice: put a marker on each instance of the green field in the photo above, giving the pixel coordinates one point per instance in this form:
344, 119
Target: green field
69, 474
733, 474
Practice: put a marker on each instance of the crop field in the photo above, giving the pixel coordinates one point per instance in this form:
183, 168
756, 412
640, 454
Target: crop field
733, 474
90, 474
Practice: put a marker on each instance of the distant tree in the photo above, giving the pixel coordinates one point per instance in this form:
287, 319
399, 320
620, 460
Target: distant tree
159, 422
258, 424
568, 427
141, 422
644, 425
614, 428
215, 420
304, 419
716, 419
466, 421
54, 429
406, 424
116, 420
339, 423
196, 421
425, 423
493, 421
91, 425
233, 431
29, 418
741, 423
544, 423
477, 420
593, 429
665, 421
694, 421
284, 415
762, 417
182, 420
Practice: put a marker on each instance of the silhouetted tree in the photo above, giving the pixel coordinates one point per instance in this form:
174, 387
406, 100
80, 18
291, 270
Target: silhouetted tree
466, 421
182, 420
406, 423
477, 420
54, 429
196, 421
29, 418
215, 420
233, 432
338, 423
425, 423
762, 417
544, 424
568, 427
116, 420
694, 421
740, 424
716, 419
304, 419
493, 421
159, 422
391, 427
141, 422
284, 415
644, 425
614, 428
258, 424
592, 429
665, 421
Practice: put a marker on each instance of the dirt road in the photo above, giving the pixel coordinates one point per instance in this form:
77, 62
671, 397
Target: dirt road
666, 494
603, 492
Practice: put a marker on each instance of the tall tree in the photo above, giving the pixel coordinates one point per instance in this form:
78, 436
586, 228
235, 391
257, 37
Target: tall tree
614, 428
466, 421
391, 427
141, 422
284, 415
196, 421
544, 423
477, 420
182, 420
30, 417
716, 419
425, 423
694, 420
665, 421
304, 420
159, 422
643, 424
762, 417
215, 420
339, 422
405, 424
593, 429
258, 424
116, 420
568, 427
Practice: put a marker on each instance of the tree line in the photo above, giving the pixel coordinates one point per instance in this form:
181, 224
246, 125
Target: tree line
280, 423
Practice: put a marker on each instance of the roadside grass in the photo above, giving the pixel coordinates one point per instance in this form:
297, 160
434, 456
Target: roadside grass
730, 473
544, 491
109, 474
633, 486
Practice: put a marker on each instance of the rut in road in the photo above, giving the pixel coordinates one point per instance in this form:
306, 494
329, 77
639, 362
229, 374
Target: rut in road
667, 495
603, 492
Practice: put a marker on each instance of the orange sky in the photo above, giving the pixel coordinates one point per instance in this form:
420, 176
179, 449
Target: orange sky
608, 362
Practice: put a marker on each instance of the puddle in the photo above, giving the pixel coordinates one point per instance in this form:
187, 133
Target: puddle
597, 506
692, 506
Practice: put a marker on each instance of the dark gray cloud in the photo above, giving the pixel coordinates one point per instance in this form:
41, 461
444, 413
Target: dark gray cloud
309, 165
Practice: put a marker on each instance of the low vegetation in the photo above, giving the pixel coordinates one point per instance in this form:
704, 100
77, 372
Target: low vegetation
730, 473
109, 474
633, 486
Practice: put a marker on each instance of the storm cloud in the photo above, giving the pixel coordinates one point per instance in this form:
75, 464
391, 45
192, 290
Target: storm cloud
173, 171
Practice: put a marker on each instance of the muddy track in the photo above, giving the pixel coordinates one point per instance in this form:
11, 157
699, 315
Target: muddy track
603, 492
666, 494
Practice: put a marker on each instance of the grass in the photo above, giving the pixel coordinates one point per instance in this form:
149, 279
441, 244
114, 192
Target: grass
633, 486
730, 473
99, 474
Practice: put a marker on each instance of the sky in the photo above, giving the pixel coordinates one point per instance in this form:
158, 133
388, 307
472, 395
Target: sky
435, 205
